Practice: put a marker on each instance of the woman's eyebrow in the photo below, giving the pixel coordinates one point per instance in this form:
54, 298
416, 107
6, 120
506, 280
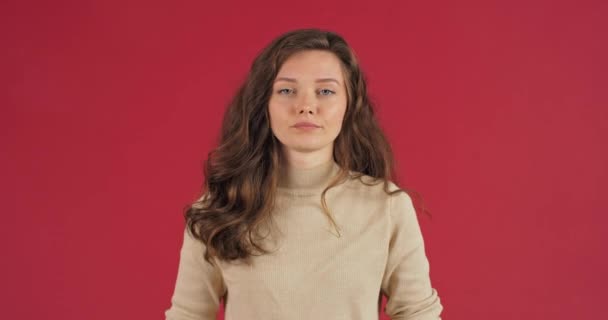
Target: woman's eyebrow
318, 80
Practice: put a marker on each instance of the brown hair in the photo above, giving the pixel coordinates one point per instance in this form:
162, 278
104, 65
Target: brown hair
241, 174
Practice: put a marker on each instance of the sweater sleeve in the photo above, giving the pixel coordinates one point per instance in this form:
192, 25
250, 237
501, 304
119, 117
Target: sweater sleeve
199, 285
406, 281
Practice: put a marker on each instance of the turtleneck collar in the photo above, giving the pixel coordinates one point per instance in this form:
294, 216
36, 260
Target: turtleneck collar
306, 182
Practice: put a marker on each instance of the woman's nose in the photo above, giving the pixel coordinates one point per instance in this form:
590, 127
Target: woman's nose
305, 109
306, 103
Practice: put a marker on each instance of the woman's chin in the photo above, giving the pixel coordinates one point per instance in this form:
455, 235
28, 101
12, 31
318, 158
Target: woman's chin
306, 147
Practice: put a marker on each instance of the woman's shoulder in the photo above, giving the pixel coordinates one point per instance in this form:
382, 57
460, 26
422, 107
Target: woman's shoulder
367, 184
379, 190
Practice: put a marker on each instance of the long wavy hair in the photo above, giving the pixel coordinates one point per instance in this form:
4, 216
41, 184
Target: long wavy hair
241, 174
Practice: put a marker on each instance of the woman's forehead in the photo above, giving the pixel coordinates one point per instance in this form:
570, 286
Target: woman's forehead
311, 65
318, 80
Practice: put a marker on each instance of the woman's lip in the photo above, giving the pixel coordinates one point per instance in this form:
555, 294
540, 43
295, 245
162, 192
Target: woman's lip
306, 128
300, 125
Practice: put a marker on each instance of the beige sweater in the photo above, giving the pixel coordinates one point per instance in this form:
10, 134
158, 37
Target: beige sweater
312, 273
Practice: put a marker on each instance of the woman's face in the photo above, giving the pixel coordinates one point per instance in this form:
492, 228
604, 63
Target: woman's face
309, 87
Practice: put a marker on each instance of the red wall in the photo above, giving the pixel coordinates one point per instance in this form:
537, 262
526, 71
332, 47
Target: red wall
497, 114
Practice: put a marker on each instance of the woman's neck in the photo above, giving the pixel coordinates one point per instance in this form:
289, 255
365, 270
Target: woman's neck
306, 181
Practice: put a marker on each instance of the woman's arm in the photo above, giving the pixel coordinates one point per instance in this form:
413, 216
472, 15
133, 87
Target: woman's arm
199, 285
406, 281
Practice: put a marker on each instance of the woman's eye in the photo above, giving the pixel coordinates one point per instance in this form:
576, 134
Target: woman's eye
324, 92
328, 92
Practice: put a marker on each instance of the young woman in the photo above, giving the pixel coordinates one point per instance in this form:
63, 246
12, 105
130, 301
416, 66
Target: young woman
299, 217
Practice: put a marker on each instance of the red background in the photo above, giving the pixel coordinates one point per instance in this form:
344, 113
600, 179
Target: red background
497, 112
